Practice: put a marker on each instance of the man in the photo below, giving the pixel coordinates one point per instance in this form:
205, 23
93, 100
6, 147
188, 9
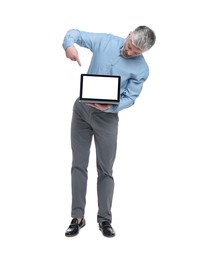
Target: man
112, 55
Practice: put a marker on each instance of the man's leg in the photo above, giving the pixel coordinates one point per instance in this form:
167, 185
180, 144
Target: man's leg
105, 133
81, 137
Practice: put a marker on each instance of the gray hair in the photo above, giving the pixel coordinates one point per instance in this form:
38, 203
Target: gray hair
143, 38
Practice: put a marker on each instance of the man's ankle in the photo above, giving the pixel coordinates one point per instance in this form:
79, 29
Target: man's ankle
79, 220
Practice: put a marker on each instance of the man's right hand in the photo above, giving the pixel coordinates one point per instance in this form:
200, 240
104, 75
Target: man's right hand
72, 54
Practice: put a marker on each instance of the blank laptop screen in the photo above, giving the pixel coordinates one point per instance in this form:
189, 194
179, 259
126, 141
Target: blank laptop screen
100, 88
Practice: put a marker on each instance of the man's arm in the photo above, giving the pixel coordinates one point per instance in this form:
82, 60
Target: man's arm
128, 97
72, 37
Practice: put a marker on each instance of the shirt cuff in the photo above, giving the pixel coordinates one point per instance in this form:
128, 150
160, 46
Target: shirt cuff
67, 43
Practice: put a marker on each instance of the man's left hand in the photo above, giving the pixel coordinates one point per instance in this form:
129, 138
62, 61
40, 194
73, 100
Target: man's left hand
101, 107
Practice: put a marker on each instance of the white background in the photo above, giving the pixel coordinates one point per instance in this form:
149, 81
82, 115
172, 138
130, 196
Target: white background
160, 207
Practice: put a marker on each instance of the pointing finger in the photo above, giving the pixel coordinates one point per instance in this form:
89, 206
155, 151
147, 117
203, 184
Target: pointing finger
78, 60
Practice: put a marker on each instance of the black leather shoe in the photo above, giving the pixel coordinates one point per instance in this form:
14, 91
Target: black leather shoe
74, 227
106, 229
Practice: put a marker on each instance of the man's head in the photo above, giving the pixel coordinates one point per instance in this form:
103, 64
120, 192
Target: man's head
138, 41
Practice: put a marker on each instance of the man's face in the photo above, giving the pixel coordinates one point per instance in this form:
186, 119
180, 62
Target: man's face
129, 50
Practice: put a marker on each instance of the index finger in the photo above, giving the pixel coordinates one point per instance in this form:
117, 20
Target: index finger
78, 60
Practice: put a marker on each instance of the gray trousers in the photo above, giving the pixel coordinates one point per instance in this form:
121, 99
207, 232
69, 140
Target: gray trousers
86, 123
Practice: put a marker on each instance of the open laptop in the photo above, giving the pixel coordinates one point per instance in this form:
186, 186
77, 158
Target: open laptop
102, 89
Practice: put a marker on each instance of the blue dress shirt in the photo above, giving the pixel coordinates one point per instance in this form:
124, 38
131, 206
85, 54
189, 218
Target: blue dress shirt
107, 59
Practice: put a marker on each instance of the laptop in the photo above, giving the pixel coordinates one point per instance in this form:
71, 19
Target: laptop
102, 89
